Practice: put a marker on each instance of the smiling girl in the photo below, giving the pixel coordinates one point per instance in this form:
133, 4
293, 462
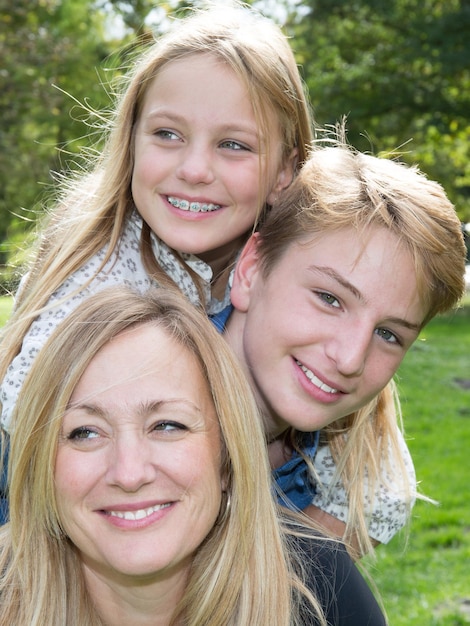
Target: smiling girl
210, 127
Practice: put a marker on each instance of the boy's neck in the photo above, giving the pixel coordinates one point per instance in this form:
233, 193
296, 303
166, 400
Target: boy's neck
234, 331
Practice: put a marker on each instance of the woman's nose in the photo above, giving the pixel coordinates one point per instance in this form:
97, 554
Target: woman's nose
130, 464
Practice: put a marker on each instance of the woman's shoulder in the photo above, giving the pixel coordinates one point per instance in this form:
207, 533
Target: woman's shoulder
330, 573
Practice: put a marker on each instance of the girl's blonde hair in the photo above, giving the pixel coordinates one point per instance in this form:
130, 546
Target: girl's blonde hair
240, 576
93, 208
339, 188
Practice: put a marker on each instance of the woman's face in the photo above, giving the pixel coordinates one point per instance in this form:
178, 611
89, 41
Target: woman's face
137, 472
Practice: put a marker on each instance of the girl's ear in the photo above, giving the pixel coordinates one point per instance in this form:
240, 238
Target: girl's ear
244, 277
285, 175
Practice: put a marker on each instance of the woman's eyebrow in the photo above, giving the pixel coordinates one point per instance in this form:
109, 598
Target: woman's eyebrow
145, 407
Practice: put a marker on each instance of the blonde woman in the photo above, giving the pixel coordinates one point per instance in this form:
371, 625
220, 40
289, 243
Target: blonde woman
140, 488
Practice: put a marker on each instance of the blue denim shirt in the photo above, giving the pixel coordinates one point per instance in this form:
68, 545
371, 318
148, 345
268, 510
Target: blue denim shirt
294, 477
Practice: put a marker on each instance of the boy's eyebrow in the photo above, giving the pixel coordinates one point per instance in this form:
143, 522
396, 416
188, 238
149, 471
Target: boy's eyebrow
398, 320
329, 271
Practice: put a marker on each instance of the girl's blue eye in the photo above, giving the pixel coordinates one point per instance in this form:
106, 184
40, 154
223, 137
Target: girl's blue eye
83, 432
233, 145
163, 133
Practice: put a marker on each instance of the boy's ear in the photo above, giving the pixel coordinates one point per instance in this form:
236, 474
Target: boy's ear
245, 274
285, 175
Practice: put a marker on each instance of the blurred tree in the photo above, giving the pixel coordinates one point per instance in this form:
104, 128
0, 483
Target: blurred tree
43, 44
400, 71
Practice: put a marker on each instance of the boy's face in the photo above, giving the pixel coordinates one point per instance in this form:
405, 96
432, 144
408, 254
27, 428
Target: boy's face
326, 330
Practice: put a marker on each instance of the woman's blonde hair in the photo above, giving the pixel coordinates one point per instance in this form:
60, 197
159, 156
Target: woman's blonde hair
240, 575
93, 208
339, 188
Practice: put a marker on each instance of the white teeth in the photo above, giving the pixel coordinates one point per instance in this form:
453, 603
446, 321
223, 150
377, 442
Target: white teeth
194, 207
314, 380
140, 514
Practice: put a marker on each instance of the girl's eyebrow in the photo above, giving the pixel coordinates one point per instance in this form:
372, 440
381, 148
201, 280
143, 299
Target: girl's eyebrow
329, 271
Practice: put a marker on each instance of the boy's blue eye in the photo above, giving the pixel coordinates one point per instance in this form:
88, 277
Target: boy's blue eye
387, 335
328, 298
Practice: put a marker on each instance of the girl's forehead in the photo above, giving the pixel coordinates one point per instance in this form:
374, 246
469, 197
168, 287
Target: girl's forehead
205, 80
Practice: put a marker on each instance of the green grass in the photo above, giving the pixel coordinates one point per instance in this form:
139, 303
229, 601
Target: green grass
426, 583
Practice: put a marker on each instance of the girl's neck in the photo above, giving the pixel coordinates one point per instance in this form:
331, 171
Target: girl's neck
222, 260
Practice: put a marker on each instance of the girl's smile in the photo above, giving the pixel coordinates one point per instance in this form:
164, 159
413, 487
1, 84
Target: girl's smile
201, 172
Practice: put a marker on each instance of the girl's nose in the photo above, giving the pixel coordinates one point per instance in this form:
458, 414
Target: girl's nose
196, 166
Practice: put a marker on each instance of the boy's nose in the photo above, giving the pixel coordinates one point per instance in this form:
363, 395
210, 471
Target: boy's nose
349, 350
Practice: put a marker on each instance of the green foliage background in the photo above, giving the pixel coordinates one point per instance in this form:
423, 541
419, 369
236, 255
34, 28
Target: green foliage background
399, 70
426, 583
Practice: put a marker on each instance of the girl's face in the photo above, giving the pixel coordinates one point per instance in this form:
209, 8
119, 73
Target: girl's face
326, 330
200, 159
137, 472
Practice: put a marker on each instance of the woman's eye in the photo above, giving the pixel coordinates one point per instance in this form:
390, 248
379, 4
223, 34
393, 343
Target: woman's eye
233, 145
164, 133
387, 335
83, 432
328, 298
169, 427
